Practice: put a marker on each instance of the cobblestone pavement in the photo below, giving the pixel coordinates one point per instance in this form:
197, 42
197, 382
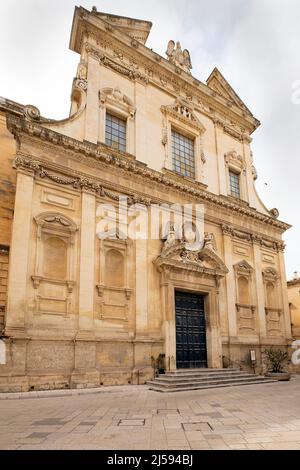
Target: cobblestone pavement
250, 417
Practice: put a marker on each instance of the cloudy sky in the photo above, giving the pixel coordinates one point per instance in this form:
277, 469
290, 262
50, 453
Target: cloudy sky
255, 44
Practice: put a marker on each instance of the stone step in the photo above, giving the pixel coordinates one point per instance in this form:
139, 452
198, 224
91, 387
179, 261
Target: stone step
189, 387
193, 380
203, 370
197, 379
196, 375
207, 382
200, 374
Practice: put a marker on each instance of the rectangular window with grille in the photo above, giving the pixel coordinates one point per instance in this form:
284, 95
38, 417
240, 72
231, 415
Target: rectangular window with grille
183, 155
234, 182
115, 132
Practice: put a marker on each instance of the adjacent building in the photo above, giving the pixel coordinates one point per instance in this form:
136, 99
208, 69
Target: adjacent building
294, 301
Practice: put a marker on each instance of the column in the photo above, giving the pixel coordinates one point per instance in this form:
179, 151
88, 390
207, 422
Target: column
87, 263
19, 255
260, 291
285, 300
230, 284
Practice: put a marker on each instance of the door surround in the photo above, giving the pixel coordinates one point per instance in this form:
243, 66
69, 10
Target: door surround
201, 275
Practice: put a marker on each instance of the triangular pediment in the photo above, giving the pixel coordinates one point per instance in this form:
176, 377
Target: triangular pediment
135, 28
243, 267
204, 260
219, 84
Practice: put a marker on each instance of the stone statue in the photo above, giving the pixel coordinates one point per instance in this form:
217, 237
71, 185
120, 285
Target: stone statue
178, 57
82, 71
210, 241
171, 238
171, 52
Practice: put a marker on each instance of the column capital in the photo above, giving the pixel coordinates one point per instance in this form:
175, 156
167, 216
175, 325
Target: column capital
227, 230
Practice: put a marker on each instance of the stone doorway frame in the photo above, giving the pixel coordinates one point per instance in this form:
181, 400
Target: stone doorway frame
198, 278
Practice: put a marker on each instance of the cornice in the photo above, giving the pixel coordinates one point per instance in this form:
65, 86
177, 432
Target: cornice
127, 163
293, 282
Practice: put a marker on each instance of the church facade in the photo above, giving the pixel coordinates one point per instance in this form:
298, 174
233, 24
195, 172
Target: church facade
81, 310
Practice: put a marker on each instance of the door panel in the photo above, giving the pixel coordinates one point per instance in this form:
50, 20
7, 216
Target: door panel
190, 331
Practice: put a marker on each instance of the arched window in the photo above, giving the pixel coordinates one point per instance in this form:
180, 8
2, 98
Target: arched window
114, 265
243, 288
55, 258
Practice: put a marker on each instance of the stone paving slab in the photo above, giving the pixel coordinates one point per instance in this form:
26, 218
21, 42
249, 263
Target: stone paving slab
259, 417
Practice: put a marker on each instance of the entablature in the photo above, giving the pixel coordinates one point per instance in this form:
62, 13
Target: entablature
97, 154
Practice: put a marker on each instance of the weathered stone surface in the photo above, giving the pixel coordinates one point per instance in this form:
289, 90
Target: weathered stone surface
81, 311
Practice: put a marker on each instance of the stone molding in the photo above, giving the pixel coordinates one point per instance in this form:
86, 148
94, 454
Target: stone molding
183, 111
178, 257
115, 97
122, 161
253, 238
146, 66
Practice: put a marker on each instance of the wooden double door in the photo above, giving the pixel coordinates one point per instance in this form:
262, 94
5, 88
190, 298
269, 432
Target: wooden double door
191, 351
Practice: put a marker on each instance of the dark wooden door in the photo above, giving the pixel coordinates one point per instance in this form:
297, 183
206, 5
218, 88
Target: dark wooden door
191, 350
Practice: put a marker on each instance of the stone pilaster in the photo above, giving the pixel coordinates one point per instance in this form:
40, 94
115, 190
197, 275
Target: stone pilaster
141, 288
19, 256
285, 300
92, 102
260, 293
220, 159
87, 264
230, 283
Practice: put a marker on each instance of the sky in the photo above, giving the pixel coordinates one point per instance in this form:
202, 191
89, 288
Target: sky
254, 43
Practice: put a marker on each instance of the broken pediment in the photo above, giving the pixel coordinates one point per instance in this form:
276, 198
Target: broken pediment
219, 84
135, 28
178, 256
183, 110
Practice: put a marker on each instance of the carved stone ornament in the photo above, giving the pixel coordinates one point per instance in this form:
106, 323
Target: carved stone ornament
274, 213
254, 173
270, 274
210, 241
99, 154
32, 113
103, 59
176, 255
117, 98
233, 159
183, 110
179, 57
243, 268
82, 71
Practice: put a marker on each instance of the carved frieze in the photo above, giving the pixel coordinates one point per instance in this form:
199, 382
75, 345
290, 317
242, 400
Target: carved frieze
253, 238
103, 59
125, 162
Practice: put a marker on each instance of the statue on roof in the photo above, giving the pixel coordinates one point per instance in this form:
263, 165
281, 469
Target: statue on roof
179, 57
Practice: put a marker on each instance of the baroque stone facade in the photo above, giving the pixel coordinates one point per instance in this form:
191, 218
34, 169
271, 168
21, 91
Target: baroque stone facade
81, 311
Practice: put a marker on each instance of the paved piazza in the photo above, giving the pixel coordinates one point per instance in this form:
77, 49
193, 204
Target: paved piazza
250, 417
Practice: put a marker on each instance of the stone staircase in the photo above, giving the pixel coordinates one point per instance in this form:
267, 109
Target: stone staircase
198, 379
